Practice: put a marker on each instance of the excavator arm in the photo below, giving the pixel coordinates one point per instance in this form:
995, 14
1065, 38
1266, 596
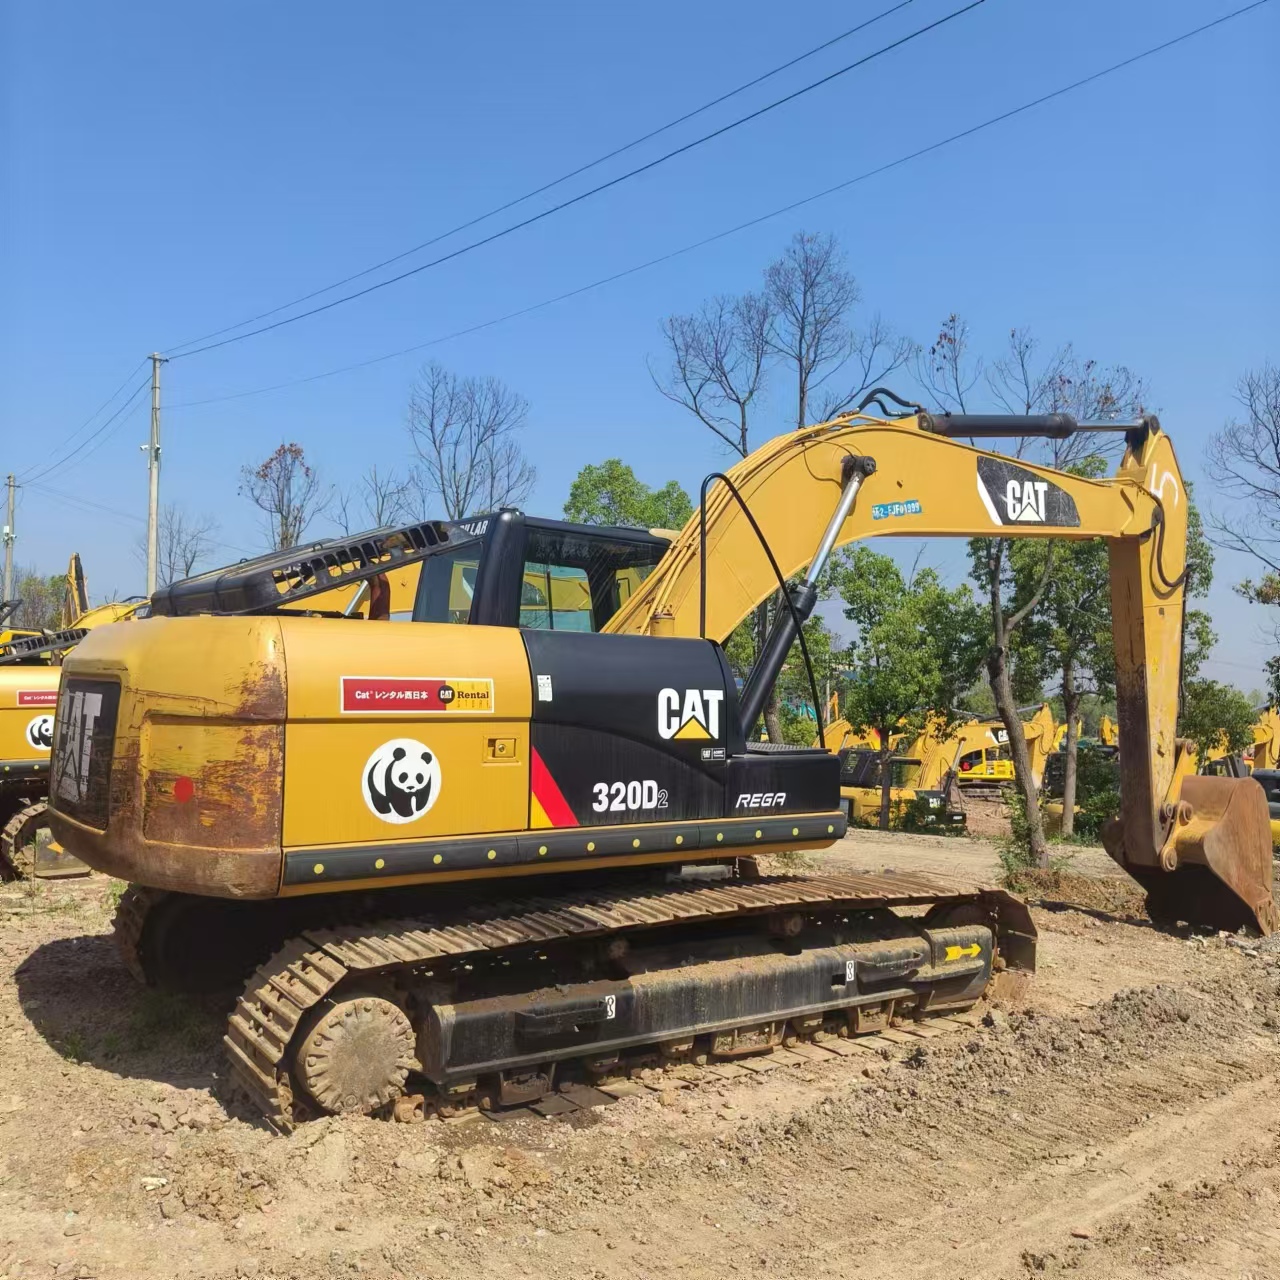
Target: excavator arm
1200, 846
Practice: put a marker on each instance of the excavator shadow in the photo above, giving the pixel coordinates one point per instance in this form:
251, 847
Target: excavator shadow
78, 996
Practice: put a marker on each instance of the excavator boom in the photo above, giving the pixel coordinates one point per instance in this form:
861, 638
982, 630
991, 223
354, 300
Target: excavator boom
912, 478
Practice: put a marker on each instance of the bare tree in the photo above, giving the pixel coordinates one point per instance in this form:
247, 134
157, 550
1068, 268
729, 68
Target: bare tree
877, 351
812, 294
183, 540
375, 500
948, 369
1065, 383
287, 489
718, 364
465, 432
1244, 460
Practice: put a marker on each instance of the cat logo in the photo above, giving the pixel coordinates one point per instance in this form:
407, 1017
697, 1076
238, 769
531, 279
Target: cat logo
1015, 495
693, 714
1024, 500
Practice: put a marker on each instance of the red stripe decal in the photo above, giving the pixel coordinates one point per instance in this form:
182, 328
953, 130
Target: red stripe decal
549, 796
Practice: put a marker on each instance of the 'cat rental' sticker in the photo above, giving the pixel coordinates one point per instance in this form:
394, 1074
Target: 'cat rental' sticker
416, 695
37, 698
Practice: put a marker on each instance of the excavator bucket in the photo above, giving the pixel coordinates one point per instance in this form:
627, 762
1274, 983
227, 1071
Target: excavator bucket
1216, 866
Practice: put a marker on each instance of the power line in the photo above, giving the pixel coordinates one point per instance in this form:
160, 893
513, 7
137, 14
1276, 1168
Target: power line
588, 194
72, 435
742, 226
555, 182
87, 504
61, 463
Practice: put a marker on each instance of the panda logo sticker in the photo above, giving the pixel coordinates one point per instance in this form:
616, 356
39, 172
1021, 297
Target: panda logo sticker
40, 733
401, 780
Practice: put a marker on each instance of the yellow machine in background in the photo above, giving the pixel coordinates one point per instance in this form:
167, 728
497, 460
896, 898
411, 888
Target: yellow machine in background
29, 677
984, 758
923, 785
452, 836
1265, 751
1060, 734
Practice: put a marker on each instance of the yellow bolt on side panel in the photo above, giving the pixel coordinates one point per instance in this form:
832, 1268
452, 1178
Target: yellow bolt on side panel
361, 691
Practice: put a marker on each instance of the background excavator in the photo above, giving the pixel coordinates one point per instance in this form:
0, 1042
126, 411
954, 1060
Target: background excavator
922, 788
448, 843
983, 760
29, 675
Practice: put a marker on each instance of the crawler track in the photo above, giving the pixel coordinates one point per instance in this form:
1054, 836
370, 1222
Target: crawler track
264, 1029
16, 860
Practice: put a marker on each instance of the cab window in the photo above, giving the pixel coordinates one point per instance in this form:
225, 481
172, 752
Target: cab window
575, 581
448, 585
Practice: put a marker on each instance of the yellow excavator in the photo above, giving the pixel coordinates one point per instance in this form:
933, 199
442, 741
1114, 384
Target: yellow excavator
984, 761
923, 784
1060, 734
929, 769
453, 847
29, 675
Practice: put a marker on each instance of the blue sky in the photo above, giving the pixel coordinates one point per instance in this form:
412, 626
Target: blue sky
172, 169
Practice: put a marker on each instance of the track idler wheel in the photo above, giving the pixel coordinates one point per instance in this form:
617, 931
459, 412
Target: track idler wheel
356, 1055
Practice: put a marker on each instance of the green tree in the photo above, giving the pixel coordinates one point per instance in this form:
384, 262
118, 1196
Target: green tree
1069, 632
914, 651
610, 493
1215, 715
41, 607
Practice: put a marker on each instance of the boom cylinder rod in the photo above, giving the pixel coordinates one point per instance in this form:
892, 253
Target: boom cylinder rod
763, 675
856, 470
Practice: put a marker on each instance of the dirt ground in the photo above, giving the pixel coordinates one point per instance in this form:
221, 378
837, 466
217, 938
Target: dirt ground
1120, 1118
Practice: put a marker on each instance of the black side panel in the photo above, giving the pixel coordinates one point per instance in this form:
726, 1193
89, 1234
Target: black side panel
783, 782
628, 728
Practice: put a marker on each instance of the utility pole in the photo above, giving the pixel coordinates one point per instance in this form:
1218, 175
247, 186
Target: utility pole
8, 545
153, 476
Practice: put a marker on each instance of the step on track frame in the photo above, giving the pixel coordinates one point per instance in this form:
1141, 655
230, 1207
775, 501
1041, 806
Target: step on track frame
283, 992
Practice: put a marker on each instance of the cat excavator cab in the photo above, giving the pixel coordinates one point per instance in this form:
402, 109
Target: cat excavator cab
456, 847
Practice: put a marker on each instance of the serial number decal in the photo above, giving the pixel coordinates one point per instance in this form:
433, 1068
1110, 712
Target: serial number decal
37, 697
415, 695
623, 797
887, 510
